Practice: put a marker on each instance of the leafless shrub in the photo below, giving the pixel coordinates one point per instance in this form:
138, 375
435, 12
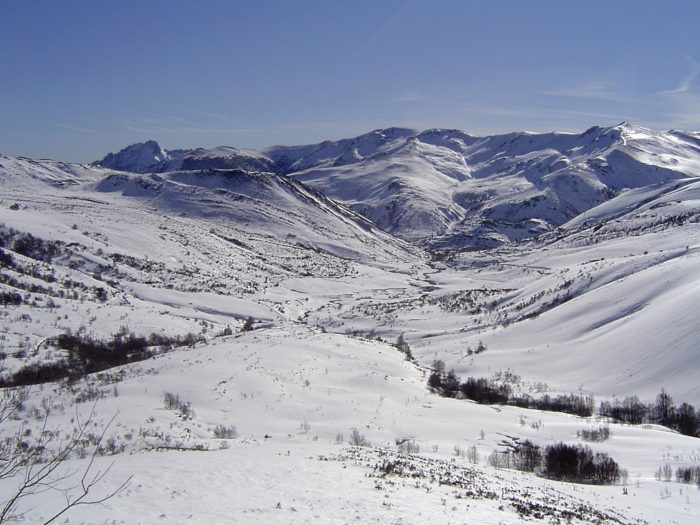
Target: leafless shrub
595, 434
358, 439
173, 402
473, 455
33, 463
407, 446
225, 432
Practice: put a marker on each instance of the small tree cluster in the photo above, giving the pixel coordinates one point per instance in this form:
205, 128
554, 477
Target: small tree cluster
579, 464
594, 434
447, 384
407, 446
519, 455
357, 439
688, 475
482, 390
664, 473
480, 348
225, 432
683, 418
173, 402
628, 410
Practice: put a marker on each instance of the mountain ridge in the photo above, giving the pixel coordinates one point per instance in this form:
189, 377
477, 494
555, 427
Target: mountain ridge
447, 188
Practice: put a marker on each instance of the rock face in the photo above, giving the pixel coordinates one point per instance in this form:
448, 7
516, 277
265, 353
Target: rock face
138, 158
149, 157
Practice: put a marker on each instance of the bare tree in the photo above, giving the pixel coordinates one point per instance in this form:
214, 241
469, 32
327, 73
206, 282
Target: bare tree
38, 463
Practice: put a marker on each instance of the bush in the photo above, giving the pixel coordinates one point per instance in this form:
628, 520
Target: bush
518, 455
357, 439
482, 390
402, 346
249, 324
29, 246
173, 402
10, 298
6, 259
579, 464
595, 434
225, 432
36, 373
407, 446
688, 474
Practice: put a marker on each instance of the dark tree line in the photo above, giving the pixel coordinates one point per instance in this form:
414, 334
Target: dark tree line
579, 405
683, 418
86, 355
28, 245
482, 390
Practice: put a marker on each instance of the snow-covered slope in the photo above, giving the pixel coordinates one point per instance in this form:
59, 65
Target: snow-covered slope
603, 302
262, 202
295, 396
20, 173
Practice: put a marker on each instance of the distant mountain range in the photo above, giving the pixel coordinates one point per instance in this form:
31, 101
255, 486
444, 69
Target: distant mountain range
446, 189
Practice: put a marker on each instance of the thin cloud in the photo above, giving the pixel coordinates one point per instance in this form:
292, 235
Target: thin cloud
412, 96
686, 84
175, 124
73, 127
596, 89
223, 118
384, 29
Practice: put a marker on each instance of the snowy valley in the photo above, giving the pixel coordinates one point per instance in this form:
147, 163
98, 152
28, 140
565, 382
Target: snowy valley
278, 315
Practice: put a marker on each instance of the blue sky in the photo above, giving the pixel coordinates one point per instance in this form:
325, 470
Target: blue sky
81, 78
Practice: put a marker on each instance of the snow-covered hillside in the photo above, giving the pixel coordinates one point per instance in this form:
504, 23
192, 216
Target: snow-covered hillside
270, 289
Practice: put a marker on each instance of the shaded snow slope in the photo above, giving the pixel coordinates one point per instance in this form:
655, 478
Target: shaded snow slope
25, 174
262, 202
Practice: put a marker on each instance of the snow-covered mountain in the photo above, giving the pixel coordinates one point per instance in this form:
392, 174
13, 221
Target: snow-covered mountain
483, 191
451, 190
149, 157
